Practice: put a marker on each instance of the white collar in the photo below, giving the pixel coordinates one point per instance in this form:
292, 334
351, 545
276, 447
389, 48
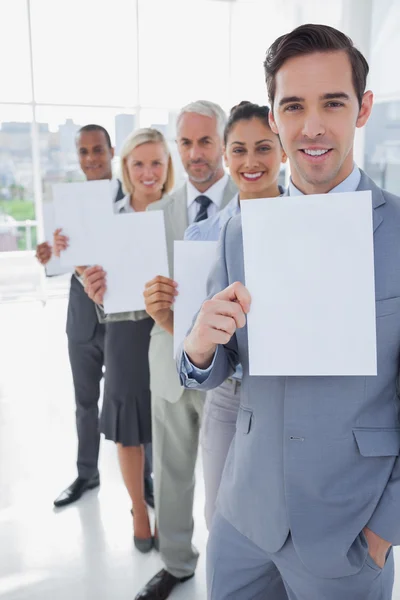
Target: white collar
123, 205
215, 192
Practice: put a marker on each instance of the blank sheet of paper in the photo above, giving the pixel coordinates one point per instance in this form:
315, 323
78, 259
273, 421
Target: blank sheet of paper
134, 252
54, 266
83, 211
192, 265
309, 266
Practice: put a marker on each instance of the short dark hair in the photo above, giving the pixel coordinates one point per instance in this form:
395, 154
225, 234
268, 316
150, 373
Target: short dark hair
93, 127
308, 39
244, 112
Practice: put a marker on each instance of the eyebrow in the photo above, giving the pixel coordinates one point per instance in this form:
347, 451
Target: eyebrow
256, 144
329, 96
203, 139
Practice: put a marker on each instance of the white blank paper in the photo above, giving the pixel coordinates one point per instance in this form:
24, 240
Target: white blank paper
309, 266
134, 252
83, 211
54, 266
192, 265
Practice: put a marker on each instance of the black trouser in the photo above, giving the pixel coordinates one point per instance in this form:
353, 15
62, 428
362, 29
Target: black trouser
87, 361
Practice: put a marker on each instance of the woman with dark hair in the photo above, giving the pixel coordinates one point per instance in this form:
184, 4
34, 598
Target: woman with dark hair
253, 154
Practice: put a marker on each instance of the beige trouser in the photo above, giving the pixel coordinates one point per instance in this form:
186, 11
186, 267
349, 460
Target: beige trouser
175, 442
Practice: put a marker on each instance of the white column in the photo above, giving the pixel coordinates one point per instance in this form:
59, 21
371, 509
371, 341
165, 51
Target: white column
138, 100
37, 179
36, 167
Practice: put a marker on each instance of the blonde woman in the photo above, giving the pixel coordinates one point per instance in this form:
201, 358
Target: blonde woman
147, 176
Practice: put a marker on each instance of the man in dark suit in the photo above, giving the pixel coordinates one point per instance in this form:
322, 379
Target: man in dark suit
85, 333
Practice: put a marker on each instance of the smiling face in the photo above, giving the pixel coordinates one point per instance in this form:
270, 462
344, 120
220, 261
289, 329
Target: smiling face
95, 155
316, 112
147, 167
254, 155
200, 148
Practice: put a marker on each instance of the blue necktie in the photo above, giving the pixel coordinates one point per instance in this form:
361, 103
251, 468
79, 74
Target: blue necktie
204, 202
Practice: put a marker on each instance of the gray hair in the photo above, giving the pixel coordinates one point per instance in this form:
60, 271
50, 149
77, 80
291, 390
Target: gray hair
207, 109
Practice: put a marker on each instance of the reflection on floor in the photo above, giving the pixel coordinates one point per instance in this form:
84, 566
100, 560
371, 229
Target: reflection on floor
83, 552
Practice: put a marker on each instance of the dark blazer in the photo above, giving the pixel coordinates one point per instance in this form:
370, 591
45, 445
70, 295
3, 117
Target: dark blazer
82, 317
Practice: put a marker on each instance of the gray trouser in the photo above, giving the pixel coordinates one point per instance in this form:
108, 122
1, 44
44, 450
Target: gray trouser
217, 431
87, 361
175, 441
237, 569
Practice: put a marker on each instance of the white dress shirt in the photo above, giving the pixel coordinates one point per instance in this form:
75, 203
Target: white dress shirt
124, 205
215, 193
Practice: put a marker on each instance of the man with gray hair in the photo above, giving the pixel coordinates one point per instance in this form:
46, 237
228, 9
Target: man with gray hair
176, 412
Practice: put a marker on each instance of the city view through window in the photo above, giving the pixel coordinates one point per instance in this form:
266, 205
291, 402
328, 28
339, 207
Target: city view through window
131, 72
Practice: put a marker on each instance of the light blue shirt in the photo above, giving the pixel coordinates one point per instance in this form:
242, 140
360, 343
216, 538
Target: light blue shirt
350, 184
209, 230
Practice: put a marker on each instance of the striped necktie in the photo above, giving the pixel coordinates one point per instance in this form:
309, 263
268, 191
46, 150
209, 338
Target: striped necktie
204, 202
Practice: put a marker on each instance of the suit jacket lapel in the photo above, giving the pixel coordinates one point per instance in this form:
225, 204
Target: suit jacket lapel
120, 193
377, 198
178, 213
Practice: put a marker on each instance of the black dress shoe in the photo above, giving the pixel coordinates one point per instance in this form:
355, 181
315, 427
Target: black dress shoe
76, 489
160, 587
149, 491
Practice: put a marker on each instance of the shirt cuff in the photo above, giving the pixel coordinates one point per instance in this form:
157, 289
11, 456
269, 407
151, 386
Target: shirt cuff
193, 374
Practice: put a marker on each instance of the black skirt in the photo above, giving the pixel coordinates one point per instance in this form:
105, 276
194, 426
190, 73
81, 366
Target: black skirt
126, 412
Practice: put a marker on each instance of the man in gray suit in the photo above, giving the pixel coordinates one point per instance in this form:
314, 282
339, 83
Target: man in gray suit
309, 503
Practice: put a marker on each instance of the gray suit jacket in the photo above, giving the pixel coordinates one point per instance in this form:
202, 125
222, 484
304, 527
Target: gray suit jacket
316, 456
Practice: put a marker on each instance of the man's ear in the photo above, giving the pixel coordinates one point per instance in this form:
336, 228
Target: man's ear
271, 121
366, 109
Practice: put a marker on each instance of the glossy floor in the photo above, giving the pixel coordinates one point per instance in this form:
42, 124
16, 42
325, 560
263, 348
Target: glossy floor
83, 552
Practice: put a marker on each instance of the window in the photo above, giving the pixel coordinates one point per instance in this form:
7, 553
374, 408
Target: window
254, 27
382, 146
16, 179
14, 52
382, 139
58, 157
84, 52
184, 52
